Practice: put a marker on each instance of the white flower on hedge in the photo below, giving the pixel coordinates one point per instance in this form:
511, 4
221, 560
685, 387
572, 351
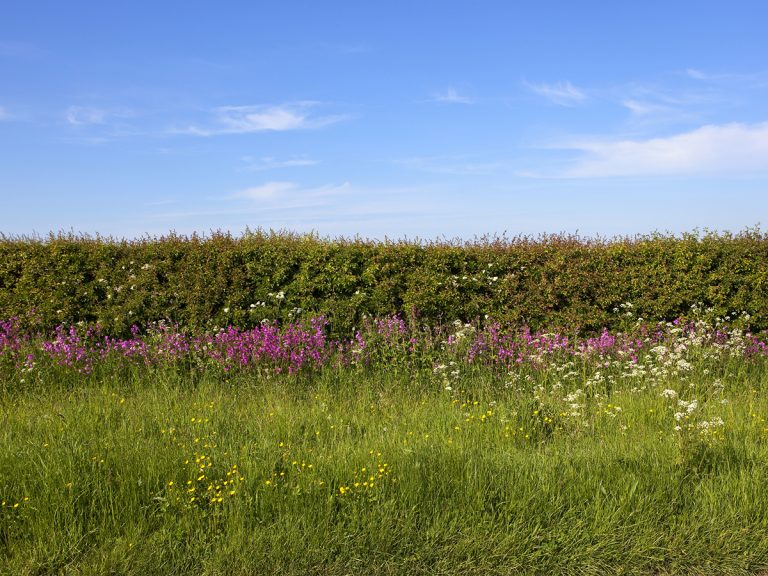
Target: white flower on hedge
226, 310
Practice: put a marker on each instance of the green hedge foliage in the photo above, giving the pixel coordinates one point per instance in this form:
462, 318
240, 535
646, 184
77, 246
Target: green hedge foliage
217, 280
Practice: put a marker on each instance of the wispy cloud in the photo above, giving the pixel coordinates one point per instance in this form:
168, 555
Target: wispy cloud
337, 208
270, 190
290, 194
270, 163
697, 74
250, 119
81, 115
561, 93
653, 106
451, 96
644, 108
713, 149
4, 114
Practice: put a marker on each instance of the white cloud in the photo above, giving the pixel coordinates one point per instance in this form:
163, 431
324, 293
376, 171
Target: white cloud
650, 105
267, 191
281, 192
727, 148
332, 208
4, 114
697, 74
562, 93
644, 108
270, 163
250, 119
81, 116
452, 96
701, 75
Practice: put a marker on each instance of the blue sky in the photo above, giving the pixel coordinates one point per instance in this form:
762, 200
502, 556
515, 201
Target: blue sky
397, 119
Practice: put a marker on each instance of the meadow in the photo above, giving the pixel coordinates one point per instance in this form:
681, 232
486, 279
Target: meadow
464, 448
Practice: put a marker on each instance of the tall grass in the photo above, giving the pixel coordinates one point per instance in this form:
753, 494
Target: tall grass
650, 460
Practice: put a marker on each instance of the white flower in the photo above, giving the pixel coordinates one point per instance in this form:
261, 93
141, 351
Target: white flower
714, 423
226, 310
683, 365
669, 393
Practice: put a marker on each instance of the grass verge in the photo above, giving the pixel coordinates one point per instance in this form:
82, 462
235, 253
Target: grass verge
384, 472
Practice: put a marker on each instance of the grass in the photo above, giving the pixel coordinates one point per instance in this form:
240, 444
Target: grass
553, 470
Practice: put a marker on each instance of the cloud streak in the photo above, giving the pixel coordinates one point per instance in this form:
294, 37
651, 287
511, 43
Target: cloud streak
281, 195
4, 114
269, 163
713, 149
291, 205
644, 108
451, 96
562, 93
84, 116
268, 191
254, 119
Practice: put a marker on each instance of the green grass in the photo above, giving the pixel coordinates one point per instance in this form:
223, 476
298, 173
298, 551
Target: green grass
500, 475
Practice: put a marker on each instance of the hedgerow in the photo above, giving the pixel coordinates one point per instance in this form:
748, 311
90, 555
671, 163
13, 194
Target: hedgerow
204, 282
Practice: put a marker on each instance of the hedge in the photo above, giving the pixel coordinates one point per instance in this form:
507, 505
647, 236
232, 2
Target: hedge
203, 282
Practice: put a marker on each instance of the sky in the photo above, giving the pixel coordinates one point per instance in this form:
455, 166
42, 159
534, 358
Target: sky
400, 120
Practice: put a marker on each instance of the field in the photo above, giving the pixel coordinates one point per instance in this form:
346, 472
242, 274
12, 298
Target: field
464, 449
